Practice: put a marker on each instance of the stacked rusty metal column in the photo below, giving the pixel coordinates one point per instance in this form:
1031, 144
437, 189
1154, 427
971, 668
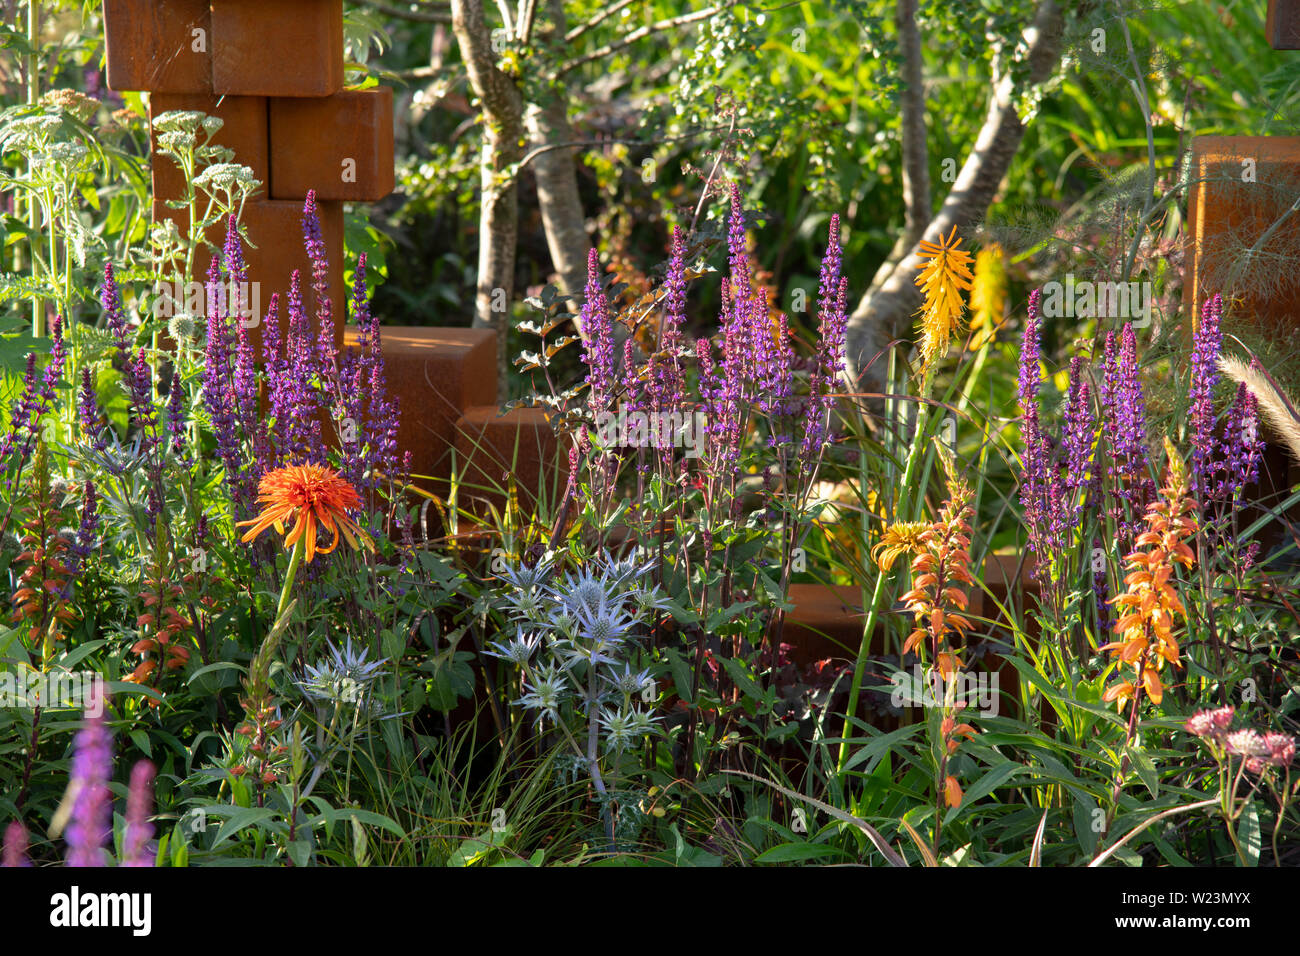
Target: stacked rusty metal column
273, 72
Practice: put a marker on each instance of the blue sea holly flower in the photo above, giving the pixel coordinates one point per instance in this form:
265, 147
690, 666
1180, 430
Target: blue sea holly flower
527, 605
623, 572
630, 683
546, 692
642, 724
519, 650
344, 677
618, 730
603, 623
581, 591
523, 578
649, 599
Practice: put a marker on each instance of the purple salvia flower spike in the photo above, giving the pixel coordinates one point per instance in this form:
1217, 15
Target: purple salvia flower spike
135, 842
1207, 343
92, 808
112, 304
15, 847
598, 338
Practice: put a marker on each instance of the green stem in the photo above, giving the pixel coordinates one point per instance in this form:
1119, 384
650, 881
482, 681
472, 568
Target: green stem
33, 94
289, 575
882, 578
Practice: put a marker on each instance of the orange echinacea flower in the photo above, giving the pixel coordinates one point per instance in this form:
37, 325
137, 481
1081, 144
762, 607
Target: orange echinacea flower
307, 496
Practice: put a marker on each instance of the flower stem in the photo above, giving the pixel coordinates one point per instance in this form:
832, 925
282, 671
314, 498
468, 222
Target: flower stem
882, 579
289, 575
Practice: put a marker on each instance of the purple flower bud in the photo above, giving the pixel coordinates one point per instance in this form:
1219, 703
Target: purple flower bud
112, 304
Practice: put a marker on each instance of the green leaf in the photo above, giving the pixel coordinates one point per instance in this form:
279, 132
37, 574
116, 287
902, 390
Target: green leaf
983, 786
799, 852
239, 818
681, 674
747, 686
374, 820
141, 740
1084, 815
1146, 771
452, 679
73, 658
879, 746
394, 643
725, 615
209, 668
300, 852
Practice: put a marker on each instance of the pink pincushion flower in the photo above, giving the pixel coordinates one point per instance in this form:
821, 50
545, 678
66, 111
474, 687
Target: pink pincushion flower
1281, 749
1247, 743
1213, 724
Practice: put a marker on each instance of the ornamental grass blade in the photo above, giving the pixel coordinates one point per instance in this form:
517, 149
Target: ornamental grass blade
926, 853
888, 852
1036, 851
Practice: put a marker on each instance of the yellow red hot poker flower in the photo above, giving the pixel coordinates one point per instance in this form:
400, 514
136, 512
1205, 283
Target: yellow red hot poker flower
943, 278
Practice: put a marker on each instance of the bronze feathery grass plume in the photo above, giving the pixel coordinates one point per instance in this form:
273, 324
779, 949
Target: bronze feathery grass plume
1278, 407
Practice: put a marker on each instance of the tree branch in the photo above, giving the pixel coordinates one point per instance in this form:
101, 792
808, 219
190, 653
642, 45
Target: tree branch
415, 16
640, 33
916, 162
525, 19
598, 18
885, 310
499, 201
504, 10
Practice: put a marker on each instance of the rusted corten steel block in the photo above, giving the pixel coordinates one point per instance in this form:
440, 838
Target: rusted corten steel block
494, 450
163, 46
280, 48
435, 374
243, 129
340, 145
275, 228
1241, 187
1283, 25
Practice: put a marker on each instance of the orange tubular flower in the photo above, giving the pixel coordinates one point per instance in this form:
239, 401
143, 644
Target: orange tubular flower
943, 562
308, 497
1149, 608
